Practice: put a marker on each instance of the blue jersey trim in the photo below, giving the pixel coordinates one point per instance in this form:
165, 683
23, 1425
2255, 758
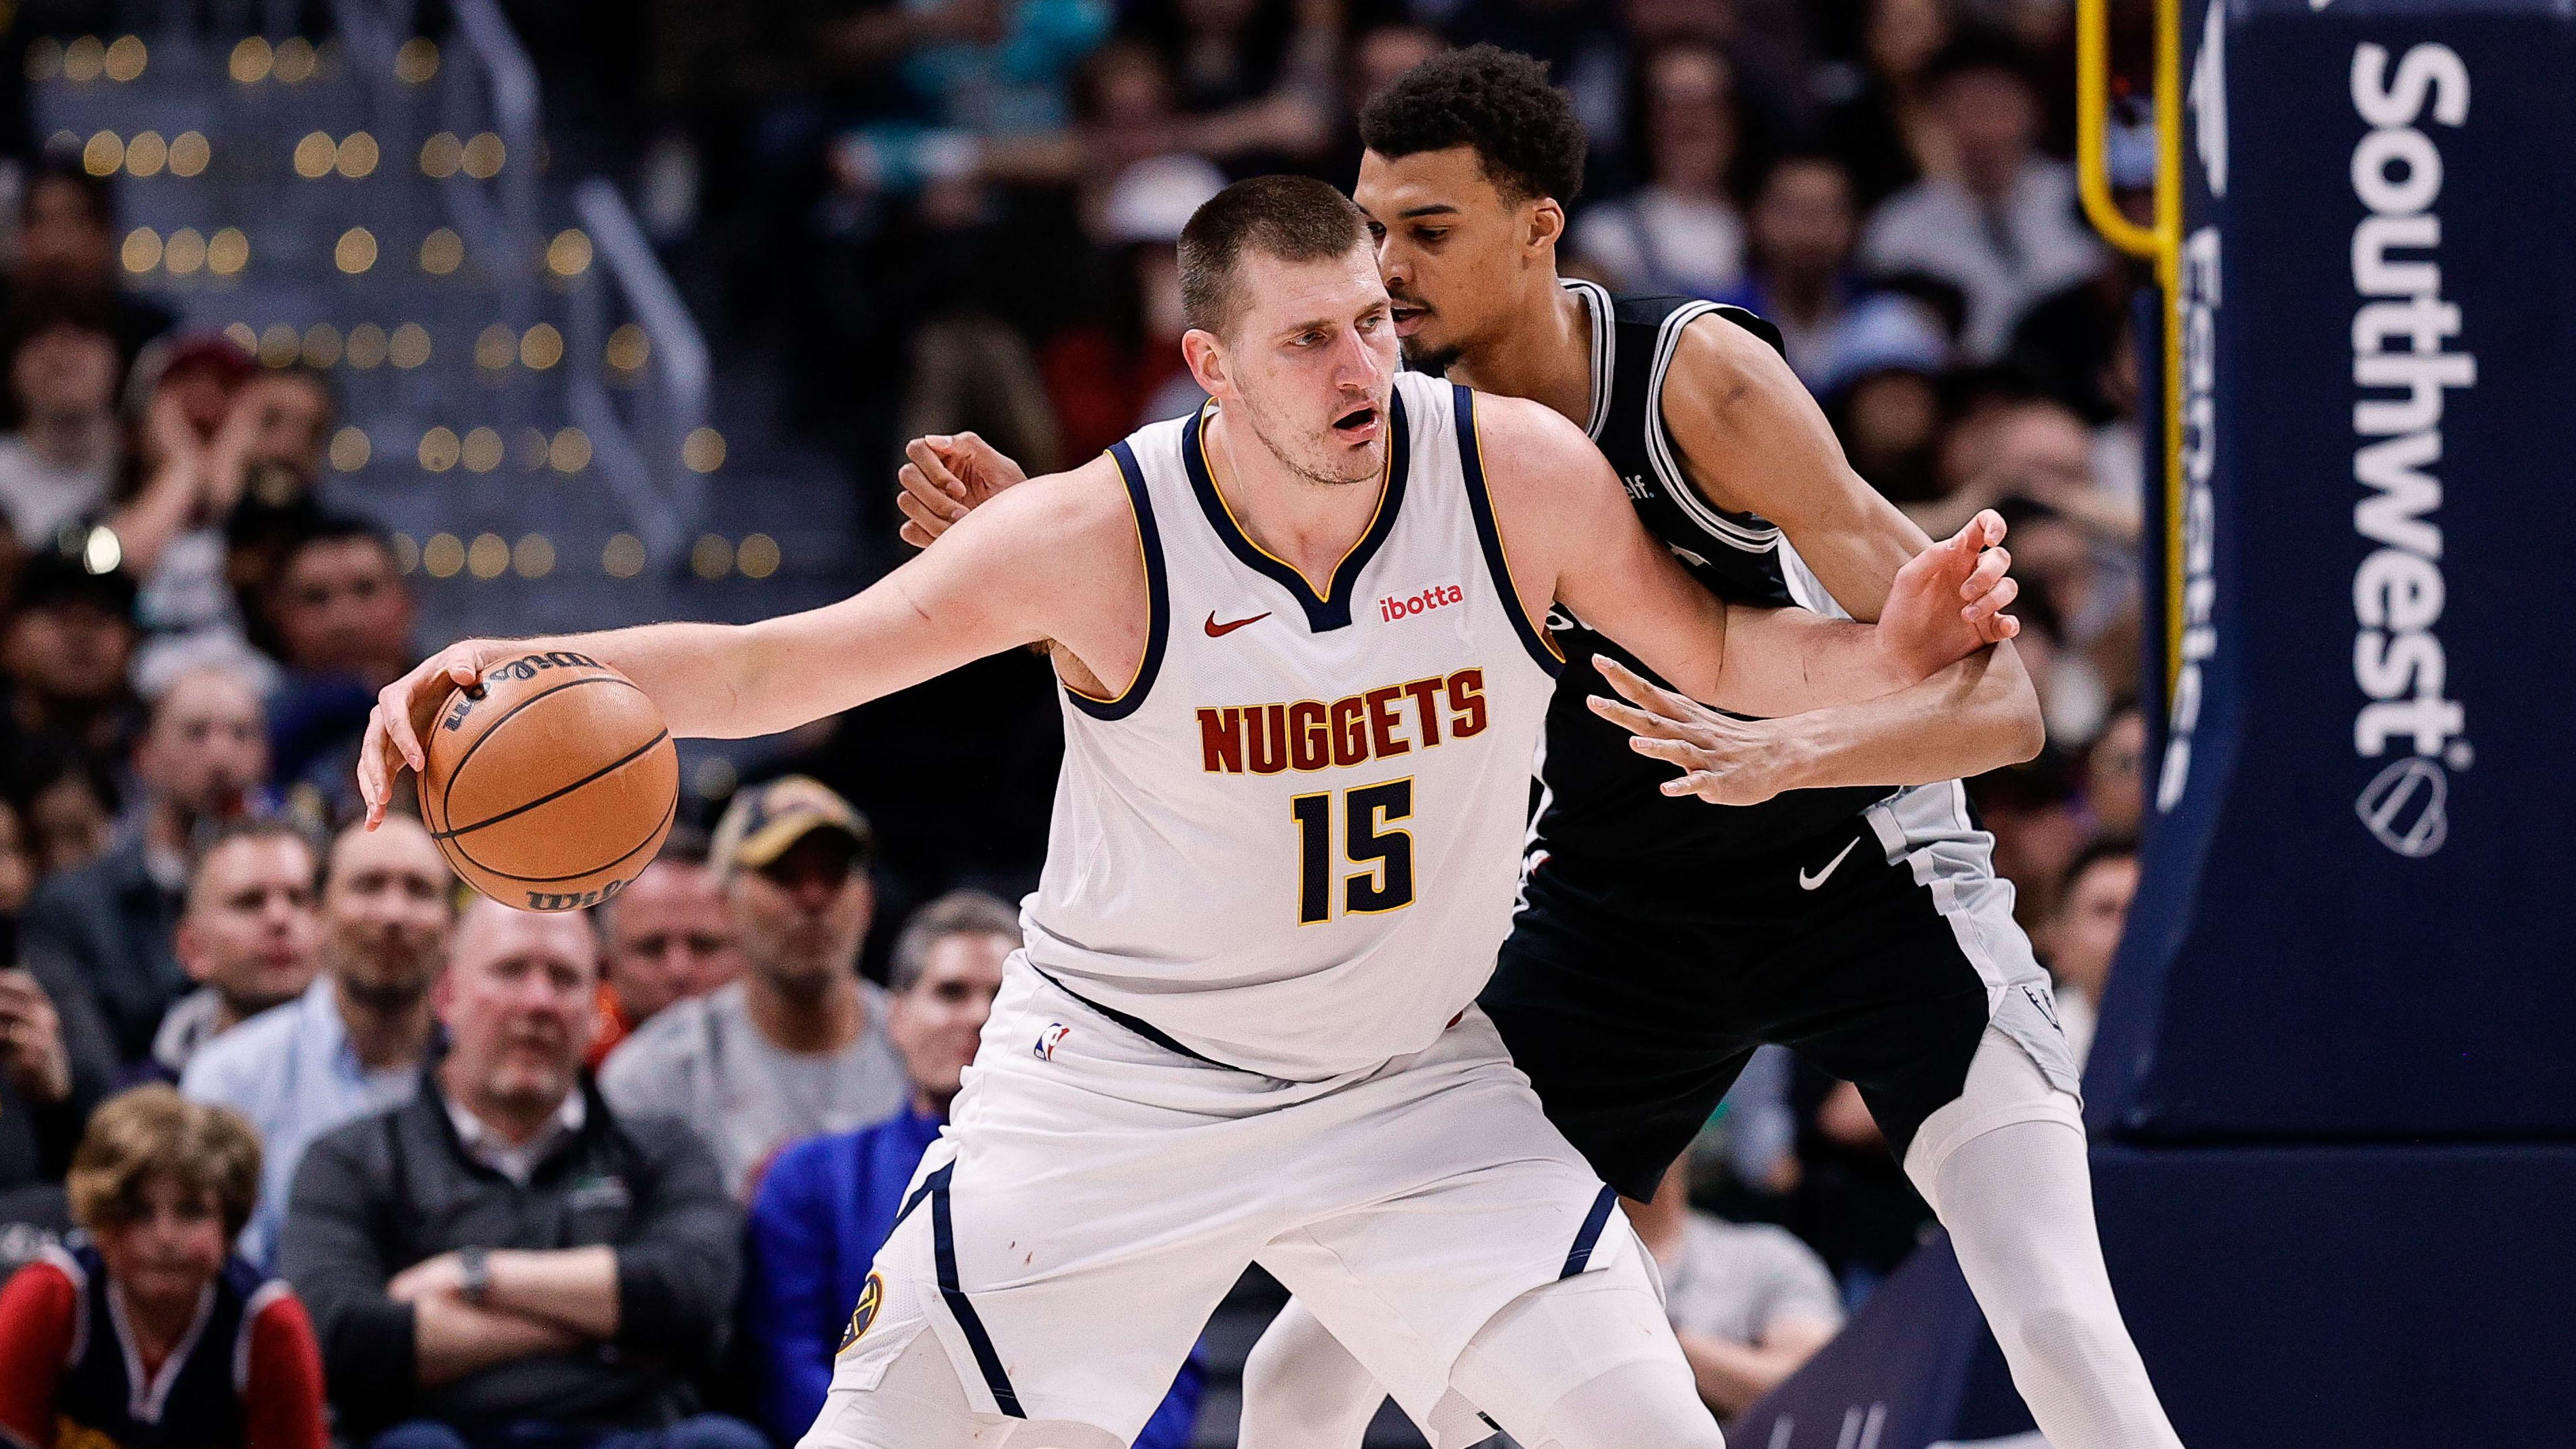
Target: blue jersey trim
1158, 593
1330, 609
1471, 460
944, 1246
1579, 1256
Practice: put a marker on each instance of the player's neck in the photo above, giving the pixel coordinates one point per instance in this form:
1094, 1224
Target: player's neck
1308, 525
1543, 352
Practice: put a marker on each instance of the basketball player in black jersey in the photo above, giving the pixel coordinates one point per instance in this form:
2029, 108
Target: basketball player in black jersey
1816, 881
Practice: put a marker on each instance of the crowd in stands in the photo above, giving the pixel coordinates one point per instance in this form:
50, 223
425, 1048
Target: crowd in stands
274, 1093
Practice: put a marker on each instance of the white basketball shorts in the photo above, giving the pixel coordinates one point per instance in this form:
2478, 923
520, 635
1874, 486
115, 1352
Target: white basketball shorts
1095, 1195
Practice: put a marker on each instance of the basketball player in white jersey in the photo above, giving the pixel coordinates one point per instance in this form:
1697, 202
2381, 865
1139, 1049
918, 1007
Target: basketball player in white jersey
1304, 671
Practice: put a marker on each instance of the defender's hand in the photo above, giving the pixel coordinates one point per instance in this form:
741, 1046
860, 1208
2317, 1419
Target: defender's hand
1947, 602
945, 477
1723, 760
403, 712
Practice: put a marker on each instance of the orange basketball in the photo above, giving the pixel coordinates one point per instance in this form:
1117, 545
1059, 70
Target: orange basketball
551, 783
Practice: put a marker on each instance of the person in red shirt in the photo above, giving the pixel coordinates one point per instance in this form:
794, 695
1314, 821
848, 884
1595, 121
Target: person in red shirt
153, 1291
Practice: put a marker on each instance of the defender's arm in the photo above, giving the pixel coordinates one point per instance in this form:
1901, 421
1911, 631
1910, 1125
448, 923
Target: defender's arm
1753, 440
1557, 501
1055, 559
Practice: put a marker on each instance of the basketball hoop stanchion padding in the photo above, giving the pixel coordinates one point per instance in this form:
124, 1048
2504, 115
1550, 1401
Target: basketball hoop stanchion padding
2333, 1093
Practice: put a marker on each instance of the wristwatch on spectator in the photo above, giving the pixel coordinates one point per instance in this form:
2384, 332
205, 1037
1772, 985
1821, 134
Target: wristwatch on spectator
474, 1268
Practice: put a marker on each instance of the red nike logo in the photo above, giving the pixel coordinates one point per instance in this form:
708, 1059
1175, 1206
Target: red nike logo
1216, 630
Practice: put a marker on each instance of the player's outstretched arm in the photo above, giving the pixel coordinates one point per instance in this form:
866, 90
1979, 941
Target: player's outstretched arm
1753, 440
1055, 559
1559, 505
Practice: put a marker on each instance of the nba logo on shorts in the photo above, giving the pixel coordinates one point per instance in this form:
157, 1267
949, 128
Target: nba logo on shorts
1055, 1032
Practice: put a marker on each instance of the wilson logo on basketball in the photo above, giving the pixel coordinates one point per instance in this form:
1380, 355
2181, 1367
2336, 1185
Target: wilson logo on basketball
1393, 609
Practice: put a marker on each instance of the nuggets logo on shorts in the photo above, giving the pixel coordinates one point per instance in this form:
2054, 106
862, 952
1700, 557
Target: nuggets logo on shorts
1048, 1039
871, 1298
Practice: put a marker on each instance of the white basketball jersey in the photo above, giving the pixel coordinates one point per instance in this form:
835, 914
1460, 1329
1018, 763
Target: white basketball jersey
1291, 844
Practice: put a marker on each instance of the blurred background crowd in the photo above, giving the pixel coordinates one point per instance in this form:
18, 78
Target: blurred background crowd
891, 217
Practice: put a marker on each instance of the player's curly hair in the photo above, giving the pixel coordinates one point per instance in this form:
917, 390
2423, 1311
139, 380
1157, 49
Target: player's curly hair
1522, 128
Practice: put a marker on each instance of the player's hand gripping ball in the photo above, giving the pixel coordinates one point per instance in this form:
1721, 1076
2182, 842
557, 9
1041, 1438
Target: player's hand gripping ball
549, 783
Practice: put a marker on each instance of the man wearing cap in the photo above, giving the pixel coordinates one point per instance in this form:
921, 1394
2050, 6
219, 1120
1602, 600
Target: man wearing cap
798, 1046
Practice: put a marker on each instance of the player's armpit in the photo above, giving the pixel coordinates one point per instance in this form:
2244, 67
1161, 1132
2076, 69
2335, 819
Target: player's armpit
1753, 440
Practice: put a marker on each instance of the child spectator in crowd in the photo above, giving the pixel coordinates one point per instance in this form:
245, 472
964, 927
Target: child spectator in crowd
249, 936
670, 937
150, 1333
829, 1202
798, 1045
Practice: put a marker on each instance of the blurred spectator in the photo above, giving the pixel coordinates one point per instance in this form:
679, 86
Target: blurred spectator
65, 647
56, 1063
669, 937
1581, 42
199, 765
250, 937
17, 861
1253, 79
59, 466
2003, 225
1798, 272
1852, 1202
65, 803
229, 458
1679, 233
2083, 932
506, 1260
353, 1042
830, 1202
1876, 119
1378, 55
342, 618
1749, 1302
1111, 376
2115, 772
1884, 396
798, 1046
67, 242
2030, 810
151, 1332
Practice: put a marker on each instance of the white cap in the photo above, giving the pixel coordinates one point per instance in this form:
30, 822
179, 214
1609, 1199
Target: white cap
1156, 197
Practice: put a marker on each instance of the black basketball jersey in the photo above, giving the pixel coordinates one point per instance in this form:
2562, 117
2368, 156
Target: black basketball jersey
194, 1402
1600, 799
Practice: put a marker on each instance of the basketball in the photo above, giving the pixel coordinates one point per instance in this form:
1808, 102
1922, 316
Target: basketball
551, 783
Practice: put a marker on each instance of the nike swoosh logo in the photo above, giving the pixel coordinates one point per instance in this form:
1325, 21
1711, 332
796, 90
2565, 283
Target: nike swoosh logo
1216, 630
1806, 883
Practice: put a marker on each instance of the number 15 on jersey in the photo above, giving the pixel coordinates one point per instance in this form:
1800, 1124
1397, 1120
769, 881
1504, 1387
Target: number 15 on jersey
1364, 814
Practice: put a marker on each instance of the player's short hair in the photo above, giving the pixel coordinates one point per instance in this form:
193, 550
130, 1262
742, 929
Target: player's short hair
1291, 218
1522, 129
958, 913
153, 1130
